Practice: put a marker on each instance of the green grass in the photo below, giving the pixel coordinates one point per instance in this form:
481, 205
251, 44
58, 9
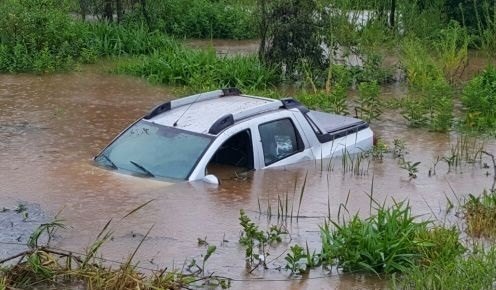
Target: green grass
200, 69
390, 240
477, 270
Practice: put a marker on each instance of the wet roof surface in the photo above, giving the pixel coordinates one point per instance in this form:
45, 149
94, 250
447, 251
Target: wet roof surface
199, 117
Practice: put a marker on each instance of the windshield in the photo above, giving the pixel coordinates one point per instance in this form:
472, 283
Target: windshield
155, 150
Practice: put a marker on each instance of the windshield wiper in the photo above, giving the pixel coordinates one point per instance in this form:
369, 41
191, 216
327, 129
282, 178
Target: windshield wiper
111, 163
148, 172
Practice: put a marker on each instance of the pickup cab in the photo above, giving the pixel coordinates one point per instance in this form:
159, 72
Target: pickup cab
182, 139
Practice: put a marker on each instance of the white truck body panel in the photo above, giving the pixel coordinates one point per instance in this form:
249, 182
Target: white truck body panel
291, 133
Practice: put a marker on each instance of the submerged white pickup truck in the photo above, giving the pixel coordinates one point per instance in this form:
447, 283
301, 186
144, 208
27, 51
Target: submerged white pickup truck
180, 139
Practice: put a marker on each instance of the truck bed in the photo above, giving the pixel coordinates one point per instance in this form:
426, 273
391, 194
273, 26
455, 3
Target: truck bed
335, 126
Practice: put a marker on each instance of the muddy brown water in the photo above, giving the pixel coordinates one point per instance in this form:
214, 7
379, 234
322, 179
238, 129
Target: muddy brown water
51, 126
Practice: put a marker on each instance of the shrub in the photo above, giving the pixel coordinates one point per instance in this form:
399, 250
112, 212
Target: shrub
196, 18
452, 50
479, 101
37, 35
431, 95
40, 36
290, 35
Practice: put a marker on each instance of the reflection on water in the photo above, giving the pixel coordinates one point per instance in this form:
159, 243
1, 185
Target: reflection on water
51, 127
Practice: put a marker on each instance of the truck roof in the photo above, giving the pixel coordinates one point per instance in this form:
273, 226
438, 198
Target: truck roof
209, 113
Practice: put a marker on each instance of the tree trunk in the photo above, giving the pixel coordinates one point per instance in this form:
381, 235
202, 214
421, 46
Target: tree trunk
145, 13
392, 14
108, 12
262, 29
118, 8
83, 8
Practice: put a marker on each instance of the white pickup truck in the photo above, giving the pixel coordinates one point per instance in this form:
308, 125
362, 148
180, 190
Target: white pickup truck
180, 139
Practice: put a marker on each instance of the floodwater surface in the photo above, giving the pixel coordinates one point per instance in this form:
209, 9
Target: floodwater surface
52, 126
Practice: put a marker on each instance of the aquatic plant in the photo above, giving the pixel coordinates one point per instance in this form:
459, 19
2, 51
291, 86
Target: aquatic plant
379, 149
296, 260
414, 112
257, 241
369, 104
399, 148
411, 167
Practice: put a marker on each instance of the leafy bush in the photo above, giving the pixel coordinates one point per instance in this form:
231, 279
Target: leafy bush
479, 101
421, 67
452, 50
290, 36
40, 36
37, 35
431, 101
196, 18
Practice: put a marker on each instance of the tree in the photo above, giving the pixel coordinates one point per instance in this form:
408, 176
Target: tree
108, 12
118, 9
289, 32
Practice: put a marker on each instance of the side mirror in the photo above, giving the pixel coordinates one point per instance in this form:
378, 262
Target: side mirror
212, 179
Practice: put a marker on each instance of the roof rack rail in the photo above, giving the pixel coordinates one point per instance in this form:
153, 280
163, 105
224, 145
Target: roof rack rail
229, 119
167, 106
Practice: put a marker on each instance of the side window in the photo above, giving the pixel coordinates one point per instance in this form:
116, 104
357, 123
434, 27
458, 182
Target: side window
279, 140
